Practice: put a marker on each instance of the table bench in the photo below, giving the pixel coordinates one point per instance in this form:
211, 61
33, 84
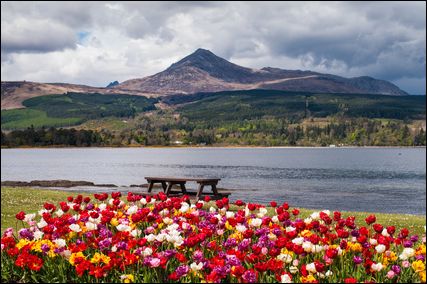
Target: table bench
168, 182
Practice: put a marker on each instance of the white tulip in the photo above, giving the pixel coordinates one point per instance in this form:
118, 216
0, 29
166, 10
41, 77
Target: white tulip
60, 243
285, 279
380, 248
75, 228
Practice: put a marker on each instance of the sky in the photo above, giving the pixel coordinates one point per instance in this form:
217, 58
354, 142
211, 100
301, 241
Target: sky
94, 43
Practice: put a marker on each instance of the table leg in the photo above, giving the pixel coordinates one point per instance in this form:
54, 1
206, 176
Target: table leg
199, 192
164, 186
168, 189
184, 190
150, 187
214, 189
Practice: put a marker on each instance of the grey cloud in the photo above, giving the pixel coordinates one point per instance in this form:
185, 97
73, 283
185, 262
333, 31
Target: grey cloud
385, 40
68, 13
23, 35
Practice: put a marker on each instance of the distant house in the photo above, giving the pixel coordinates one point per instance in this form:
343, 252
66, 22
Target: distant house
177, 142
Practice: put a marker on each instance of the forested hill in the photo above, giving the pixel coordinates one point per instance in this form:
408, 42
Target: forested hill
250, 117
251, 104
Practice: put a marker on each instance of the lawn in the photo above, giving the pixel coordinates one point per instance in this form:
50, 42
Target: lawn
30, 200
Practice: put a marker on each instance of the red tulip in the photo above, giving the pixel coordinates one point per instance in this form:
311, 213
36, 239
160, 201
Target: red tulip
370, 219
337, 216
391, 230
251, 206
20, 215
199, 205
378, 228
319, 266
403, 233
331, 253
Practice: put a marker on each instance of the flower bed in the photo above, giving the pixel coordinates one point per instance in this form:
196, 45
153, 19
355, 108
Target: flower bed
160, 239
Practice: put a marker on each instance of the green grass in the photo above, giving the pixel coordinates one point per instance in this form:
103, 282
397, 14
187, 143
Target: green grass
110, 123
15, 199
23, 118
30, 200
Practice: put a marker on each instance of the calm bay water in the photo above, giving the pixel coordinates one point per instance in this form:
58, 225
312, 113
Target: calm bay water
357, 179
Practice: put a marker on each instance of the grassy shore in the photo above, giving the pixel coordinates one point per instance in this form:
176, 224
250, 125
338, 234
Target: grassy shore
30, 200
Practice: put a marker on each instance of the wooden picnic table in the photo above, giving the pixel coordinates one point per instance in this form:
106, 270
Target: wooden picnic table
168, 182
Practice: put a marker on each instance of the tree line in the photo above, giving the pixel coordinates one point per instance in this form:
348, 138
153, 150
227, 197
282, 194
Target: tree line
51, 137
259, 132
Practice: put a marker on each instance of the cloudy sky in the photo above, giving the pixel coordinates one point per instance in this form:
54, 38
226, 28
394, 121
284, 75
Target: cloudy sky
94, 43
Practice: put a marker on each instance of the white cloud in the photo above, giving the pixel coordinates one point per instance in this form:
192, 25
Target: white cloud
126, 40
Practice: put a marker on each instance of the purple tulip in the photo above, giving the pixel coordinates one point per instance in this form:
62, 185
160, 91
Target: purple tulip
229, 243
170, 253
233, 260
355, 233
26, 234
277, 231
249, 276
396, 269
45, 248
244, 245
198, 256
58, 250
414, 238
357, 260
182, 270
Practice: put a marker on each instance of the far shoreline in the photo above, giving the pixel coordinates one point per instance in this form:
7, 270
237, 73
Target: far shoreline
216, 147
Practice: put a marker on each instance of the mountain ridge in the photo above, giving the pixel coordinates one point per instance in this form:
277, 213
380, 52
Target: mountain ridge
203, 71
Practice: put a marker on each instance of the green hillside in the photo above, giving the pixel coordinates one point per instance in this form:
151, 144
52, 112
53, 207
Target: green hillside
255, 104
72, 109
22, 118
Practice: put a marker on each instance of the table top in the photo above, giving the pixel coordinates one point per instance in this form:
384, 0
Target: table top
181, 179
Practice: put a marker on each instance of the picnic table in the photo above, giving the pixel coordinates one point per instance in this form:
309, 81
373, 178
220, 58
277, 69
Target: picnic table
168, 182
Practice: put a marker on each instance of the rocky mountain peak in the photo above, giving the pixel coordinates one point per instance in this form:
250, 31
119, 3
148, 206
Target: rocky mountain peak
214, 65
203, 71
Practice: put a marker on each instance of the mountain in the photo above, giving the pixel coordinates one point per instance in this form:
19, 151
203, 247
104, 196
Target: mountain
112, 84
203, 71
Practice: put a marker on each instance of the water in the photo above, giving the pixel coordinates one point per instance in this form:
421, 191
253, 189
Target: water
356, 179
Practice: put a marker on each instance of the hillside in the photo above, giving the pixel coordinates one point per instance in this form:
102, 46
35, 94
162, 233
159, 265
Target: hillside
253, 104
73, 109
13, 93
